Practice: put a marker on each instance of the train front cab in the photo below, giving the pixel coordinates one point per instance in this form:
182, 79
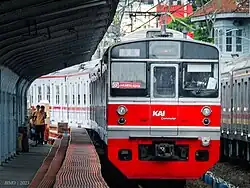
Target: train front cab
157, 128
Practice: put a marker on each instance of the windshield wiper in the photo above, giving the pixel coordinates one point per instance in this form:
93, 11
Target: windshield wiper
198, 91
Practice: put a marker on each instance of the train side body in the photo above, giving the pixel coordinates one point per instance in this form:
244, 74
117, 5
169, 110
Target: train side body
235, 132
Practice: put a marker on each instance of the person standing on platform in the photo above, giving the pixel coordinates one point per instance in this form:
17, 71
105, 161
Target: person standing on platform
39, 117
44, 116
35, 123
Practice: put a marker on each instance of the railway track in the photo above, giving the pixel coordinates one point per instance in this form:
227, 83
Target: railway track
233, 175
190, 184
222, 175
116, 180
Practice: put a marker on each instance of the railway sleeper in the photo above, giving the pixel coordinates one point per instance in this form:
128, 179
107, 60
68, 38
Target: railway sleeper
162, 183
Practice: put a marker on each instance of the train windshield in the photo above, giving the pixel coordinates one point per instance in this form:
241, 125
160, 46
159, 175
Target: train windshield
200, 79
128, 79
164, 82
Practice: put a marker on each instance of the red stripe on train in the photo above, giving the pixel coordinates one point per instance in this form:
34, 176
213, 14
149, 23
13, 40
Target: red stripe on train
67, 108
162, 115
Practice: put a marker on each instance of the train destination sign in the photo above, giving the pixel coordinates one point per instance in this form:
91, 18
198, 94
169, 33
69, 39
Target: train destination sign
126, 85
161, 49
129, 52
164, 49
133, 50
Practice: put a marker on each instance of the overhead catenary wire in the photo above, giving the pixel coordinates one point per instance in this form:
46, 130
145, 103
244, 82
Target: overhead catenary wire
167, 13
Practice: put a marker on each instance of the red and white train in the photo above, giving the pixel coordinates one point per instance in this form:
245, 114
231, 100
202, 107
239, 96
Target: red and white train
67, 92
154, 101
158, 98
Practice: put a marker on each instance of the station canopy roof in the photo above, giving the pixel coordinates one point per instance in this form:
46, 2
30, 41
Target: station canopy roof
38, 37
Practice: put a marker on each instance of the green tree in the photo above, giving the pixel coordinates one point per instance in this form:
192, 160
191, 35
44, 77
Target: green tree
200, 32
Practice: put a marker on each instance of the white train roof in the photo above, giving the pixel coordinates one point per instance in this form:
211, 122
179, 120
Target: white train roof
239, 63
140, 34
84, 68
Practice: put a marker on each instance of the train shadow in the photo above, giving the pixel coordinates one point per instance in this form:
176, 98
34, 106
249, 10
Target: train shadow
113, 177
234, 155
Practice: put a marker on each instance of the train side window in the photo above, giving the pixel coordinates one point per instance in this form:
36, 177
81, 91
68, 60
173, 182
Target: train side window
73, 99
43, 96
246, 102
242, 94
234, 95
239, 95
66, 94
39, 96
61, 93
224, 96
48, 93
248, 94
32, 94
52, 92
84, 98
57, 94
229, 96
73, 94
79, 96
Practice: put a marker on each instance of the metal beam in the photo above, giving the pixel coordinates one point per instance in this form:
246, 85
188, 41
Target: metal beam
61, 38
21, 28
30, 64
41, 48
57, 31
52, 68
13, 5
44, 9
61, 49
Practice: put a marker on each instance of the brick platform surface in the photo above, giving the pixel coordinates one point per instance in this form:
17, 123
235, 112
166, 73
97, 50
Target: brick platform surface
81, 166
50, 176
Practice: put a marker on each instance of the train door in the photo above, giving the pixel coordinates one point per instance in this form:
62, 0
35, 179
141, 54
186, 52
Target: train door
164, 99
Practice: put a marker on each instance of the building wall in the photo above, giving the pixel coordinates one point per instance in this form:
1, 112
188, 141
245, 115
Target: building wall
235, 45
179, 9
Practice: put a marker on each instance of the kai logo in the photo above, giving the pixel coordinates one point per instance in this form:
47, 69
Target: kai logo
160, 113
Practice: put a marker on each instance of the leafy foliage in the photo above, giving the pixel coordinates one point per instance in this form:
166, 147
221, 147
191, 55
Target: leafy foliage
200, 31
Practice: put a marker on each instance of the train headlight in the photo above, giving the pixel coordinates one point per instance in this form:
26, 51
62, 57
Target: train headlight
122, 121
206, 121
206, 111
121, 110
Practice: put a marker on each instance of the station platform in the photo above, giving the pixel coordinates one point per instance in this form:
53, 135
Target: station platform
19, 171
81, 166
72, 161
